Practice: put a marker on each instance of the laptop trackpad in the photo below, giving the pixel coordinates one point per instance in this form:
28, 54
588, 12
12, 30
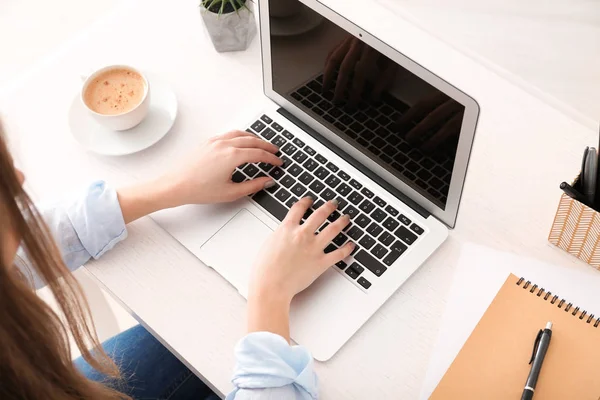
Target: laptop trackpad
232, 250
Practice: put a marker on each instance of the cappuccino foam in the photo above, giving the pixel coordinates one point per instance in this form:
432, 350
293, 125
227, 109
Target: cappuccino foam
115, 91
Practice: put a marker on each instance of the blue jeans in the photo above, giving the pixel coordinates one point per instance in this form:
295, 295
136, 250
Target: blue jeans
148, 370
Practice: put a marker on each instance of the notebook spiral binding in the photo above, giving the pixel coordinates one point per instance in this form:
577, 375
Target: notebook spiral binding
533, 288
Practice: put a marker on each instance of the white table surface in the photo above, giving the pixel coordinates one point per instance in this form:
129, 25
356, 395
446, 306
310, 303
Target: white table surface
523, 149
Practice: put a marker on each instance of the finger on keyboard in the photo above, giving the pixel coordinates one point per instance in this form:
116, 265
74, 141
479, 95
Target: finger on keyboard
232, 134
329, 233
256, 156
298, 210
320, 215
252, 143
340, 254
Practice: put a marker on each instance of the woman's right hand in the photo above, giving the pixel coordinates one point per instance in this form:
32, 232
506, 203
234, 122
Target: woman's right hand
290, 261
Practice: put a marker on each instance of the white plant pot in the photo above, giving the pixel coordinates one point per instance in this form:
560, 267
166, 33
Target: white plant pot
230, 32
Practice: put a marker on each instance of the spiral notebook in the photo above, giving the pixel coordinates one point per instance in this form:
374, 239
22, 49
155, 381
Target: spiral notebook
494, 361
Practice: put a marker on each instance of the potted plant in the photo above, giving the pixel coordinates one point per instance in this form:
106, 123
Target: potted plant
230, 23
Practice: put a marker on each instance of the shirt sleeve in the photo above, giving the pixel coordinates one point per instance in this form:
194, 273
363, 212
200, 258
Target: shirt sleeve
84, 227
268, 368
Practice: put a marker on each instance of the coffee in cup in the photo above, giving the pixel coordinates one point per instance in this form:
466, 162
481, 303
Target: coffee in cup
115, 91
117, 96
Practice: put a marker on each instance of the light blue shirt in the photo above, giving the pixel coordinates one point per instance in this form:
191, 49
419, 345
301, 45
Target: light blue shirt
267, 367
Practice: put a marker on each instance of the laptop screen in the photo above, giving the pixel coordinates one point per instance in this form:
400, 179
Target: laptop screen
389, 114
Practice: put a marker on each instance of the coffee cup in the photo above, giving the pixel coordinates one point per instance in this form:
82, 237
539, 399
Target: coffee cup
117, 96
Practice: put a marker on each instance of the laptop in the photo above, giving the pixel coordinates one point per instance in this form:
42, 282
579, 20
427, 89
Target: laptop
356, 121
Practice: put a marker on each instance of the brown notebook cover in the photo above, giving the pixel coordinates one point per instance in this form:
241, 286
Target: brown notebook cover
494, 362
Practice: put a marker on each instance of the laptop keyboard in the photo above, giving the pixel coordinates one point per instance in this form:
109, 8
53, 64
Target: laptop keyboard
381, 233
373, 128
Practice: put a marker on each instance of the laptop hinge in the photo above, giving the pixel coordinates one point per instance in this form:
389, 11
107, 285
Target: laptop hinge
350, 160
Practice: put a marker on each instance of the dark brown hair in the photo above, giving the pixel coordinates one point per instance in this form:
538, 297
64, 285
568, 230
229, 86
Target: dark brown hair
35, 357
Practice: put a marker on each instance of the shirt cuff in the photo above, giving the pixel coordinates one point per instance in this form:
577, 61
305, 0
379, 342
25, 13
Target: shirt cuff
266, 360
98, 219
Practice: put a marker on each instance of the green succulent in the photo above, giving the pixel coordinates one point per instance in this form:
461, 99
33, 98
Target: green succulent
223, 6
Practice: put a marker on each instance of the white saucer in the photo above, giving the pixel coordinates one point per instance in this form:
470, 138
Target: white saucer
306, 20
98, 139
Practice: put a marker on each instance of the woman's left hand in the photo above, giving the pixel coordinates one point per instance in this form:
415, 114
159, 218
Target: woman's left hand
205, 176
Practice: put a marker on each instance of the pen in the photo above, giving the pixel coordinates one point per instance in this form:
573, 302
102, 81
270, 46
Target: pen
597, 194
591, 168
573, 193
583, 159
540, 346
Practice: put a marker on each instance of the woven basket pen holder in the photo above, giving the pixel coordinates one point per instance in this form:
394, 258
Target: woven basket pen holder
576, 229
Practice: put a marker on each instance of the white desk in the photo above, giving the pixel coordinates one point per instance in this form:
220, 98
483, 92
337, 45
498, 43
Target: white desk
523, 149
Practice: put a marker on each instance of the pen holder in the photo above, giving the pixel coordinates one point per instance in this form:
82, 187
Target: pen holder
576, 229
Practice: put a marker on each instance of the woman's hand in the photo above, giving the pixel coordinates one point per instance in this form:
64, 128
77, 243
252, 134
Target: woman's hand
204, 177
291, 260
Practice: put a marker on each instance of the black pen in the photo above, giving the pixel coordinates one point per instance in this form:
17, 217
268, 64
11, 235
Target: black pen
597, 197
540, 347
573, 193
583, 160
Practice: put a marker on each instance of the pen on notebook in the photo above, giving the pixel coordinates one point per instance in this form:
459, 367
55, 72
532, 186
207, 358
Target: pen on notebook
540, 347
573, 193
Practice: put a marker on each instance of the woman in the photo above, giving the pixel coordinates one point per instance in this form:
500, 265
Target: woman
35, 360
